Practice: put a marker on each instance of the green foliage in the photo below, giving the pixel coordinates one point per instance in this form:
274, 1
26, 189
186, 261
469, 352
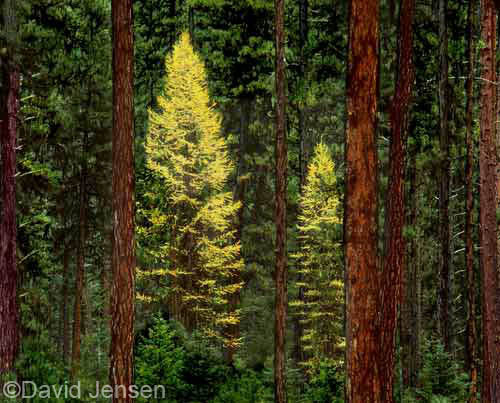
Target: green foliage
326, 383
191, 372
38, 363
245, 387
160, 361
441, 378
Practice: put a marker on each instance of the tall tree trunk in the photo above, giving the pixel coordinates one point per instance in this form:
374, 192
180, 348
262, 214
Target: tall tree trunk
80, 266
9, 311
410, 329
240, 191
303, 34
395, 217
360, 220
281, 205
444, 178
488, 205
471, 337
123, 259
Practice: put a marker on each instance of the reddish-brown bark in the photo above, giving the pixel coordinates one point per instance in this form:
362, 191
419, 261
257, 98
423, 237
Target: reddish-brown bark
123, 255
390, 285
488, 205
9, 314
281, 205
360, 221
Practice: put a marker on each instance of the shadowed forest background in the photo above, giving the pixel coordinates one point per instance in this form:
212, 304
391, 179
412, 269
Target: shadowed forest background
298, 199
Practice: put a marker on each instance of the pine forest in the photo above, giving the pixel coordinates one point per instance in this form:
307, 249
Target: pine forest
250, 201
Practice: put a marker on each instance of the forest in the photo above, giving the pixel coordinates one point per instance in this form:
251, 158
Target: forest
249, 201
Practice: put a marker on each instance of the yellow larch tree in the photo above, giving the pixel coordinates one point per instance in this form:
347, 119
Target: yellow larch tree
319, 261
186, 150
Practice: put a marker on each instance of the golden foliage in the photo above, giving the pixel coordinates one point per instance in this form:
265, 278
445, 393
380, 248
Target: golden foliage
318, 259
185, 149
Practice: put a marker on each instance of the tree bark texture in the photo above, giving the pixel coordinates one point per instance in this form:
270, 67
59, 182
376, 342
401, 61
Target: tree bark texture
360, 220
123, 255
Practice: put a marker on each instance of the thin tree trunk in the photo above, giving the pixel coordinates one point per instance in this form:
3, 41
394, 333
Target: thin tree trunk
395, 217
444, 178
191, 23
9, 311
299, 353
488, 205
64, 303
471, 337
360, 220
173, 14
240, 192
80, 266
415, 279
123, 255
281, 206
410, 327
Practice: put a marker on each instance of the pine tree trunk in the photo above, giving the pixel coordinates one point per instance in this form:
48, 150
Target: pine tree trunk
488, 205
444, 178
281, 206
360, 220
64, 303
123, 255
395, 217
80, 267
9, 312
415, 285
240, 191
471, 336
299, 355
410, 306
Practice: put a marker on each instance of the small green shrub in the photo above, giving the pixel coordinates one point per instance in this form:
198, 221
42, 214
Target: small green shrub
189, 372
441, 377
160, 361
326, 383
245, 387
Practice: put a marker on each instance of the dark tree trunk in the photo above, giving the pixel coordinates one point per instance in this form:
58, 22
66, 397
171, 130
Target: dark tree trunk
303, 34
173, 14
240, 191
444, 178
80, 266
191, 23
410, 328
123, 256
64, 303
299, 355
471, 332
281, 205
360, 220
395, 217
9, 313
488, 205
